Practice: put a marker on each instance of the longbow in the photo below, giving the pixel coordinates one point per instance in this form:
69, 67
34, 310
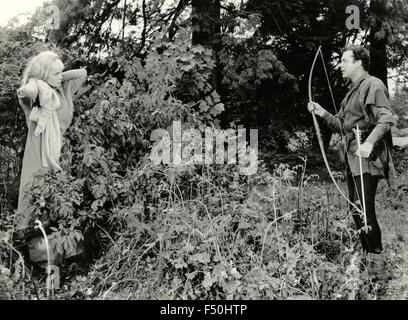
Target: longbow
319, 136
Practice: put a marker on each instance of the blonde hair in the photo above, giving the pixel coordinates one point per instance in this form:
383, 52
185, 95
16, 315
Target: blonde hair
39, 66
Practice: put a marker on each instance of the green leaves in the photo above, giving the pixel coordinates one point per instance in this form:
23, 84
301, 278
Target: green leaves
99, 190
208, 281
179, 263
235, 273
203, 258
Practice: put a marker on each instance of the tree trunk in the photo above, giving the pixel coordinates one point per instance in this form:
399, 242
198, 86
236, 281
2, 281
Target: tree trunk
378, 57
205, 19
378, 51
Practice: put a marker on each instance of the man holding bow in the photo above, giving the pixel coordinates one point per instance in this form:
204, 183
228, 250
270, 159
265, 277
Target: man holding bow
366, 106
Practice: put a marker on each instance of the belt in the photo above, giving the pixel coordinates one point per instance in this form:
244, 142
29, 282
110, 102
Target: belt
350, 134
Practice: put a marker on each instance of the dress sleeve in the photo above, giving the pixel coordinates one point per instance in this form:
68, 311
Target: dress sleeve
26, 95
74, 74
29, 90
74, 79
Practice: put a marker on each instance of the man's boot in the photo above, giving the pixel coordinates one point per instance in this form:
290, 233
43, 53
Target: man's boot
376, 267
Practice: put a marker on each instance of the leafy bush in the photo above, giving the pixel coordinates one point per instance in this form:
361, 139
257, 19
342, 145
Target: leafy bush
12, 272
188, 232
106, 147
235, 238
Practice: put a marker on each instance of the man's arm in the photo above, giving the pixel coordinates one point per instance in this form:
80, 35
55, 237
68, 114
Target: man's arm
333, 121
377, 102
385, 120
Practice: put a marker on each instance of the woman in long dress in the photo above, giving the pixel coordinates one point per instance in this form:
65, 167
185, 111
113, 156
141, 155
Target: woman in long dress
46, 96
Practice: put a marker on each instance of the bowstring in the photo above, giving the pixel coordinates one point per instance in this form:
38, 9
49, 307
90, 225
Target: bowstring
341, 130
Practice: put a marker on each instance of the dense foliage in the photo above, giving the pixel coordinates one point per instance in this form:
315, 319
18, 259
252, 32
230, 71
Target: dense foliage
185, 231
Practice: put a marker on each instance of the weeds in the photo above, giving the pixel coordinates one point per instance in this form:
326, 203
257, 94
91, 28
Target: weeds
220, 244
279, 235
186, 232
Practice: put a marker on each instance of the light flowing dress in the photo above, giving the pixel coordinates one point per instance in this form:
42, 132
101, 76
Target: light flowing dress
32, 167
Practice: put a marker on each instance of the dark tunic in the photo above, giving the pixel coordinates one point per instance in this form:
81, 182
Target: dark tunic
367, 105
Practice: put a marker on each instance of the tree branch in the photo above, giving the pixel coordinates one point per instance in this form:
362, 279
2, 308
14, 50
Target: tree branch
124, 22
179, 9
143, 41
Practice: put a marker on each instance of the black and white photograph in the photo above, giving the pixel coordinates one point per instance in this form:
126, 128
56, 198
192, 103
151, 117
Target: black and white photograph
216, 151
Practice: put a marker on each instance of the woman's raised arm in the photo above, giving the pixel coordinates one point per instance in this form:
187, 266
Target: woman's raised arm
74, 74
